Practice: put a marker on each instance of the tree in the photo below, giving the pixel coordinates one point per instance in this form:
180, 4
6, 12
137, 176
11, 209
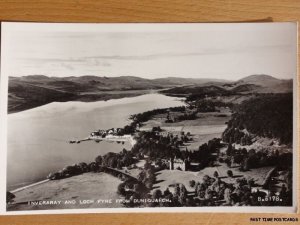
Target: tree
229, 173
54, 176
183, 194
142, 176
156, 129
168, 195
157, 194
229, 149
245, 164
93, 167
167, 192
148, 184
84, 167
216, 174
192, 183
139, 188
206, 179
147, 165
121, 189
119, 165
99, 160
176, 191
9, 197
251, 152
151, 178
251, 182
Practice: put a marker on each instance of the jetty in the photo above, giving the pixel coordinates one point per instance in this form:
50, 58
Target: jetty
109, 138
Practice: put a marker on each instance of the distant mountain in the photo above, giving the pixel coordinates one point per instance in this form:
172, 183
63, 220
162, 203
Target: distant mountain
27, 95
261, 79
266, 84
91, 83
31, 91
35, 90
250, 84
35, 78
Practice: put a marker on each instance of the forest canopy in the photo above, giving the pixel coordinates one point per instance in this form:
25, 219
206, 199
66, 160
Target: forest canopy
266, 115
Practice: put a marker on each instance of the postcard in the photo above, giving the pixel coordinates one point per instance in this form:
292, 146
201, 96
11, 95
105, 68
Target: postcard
181, 117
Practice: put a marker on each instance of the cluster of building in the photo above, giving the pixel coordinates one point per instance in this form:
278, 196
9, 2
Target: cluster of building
104, 133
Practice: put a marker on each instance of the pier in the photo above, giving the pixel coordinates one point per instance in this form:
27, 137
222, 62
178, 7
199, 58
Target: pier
109, 138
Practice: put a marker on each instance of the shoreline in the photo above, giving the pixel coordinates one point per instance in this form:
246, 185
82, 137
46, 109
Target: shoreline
89, 97
131, 141
58, 109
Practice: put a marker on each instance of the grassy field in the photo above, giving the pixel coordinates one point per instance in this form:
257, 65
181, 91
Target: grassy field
88, 186
206, 127
165, 178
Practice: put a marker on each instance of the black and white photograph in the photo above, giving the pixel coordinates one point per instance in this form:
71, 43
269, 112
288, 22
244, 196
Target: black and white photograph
148, 117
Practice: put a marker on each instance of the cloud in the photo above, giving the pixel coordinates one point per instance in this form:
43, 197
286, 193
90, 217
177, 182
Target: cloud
203, 52
41, 59
97, 59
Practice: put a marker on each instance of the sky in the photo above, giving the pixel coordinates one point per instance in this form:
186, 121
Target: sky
222, 51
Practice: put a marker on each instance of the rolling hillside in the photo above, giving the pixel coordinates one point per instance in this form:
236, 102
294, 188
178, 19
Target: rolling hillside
267, 84
35, 90
247, 85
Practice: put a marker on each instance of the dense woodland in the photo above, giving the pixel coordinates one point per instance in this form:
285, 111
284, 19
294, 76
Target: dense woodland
266, 115
205, 105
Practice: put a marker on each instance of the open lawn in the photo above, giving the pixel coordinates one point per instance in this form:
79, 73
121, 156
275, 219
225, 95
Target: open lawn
88, 186
165, 178
206, 127
139, 166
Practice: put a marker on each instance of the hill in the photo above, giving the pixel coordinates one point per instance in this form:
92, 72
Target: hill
97, 83
22, 95
35, 90
260, 79
266, 115
89, 83
267, 84
250, 84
